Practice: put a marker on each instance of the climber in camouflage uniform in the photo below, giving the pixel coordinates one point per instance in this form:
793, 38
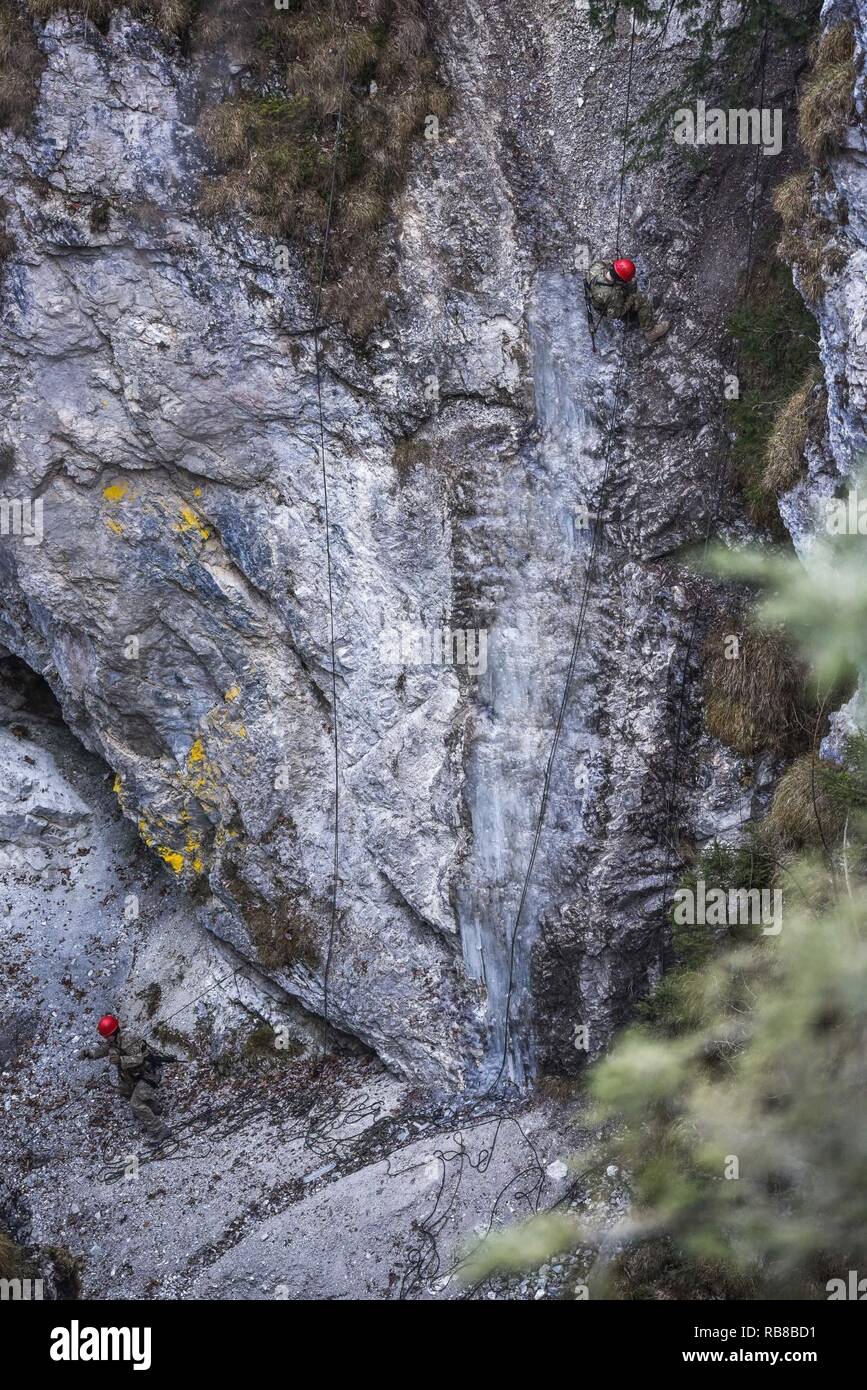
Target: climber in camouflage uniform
613, 296
139, 1073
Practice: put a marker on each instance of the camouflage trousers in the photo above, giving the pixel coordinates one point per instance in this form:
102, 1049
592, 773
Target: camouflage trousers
637, 304
144, 1104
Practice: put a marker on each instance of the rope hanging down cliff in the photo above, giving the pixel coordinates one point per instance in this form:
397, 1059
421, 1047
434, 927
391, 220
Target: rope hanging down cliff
317, 328
625, 136
329, 571
582, 610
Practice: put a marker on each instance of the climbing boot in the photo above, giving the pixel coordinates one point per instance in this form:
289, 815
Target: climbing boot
658, 331
158, 1136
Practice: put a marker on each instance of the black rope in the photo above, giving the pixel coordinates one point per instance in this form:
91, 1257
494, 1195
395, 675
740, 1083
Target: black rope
763, 61
317, 327
576, 643
625, 136
582, 612
171, 1146
229, 975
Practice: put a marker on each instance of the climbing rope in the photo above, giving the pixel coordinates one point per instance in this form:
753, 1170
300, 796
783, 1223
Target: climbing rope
561, 713
171, 1148
763, 61
317, 328
582, 610
625, 136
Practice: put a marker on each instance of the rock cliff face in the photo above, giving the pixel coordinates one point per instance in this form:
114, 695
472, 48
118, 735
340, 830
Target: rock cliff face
836, 466
842, 314
160, 416
160, 411
840, 199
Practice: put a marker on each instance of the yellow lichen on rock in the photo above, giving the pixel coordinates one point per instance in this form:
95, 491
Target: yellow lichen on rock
115, 492
172, 857
232, 693
191, 522
161, 833
198, 781
144, 831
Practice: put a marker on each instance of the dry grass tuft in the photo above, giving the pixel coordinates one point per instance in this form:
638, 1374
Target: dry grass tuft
826, 107
793, 199
173, 16
807, 241
21, 66
410, 454
804, 812
776, 338
827, 98
757, 699
7, 240
795, 421
21, 61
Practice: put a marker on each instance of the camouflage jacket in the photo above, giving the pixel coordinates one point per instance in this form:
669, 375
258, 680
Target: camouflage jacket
607, 298
131, 1057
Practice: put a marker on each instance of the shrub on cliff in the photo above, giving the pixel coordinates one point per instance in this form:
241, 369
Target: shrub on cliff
20, 66
805, 813
12, 1257
739, 1135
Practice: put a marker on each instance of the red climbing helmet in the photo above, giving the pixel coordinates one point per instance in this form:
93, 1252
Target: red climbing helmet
624, 269
107, 1026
